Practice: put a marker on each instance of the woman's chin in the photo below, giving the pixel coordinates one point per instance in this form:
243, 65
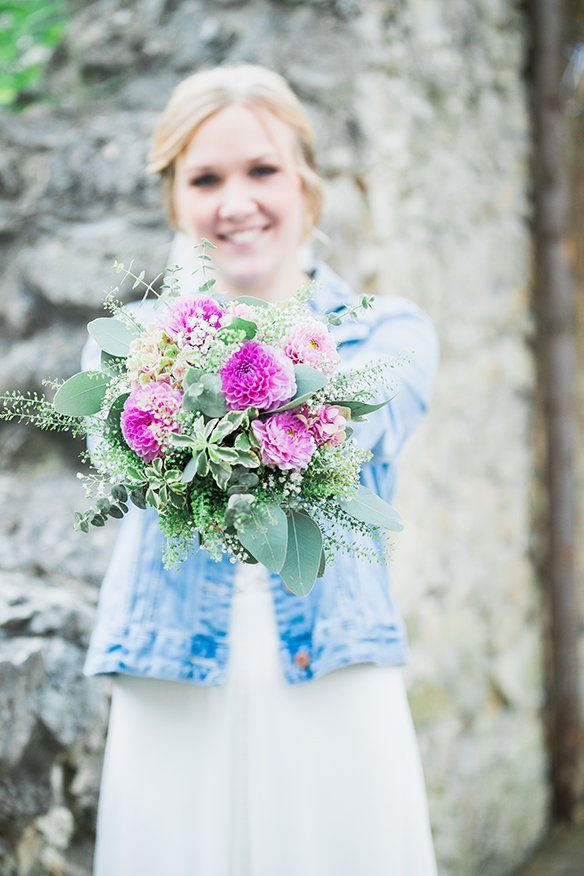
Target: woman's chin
245, 274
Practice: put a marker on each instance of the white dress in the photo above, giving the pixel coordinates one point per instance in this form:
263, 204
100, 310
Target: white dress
257, 777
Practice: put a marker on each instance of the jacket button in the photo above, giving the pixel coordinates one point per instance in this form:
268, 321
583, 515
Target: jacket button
302, 659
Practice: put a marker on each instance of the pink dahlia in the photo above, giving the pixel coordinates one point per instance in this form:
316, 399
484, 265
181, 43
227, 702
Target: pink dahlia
194, 322
285, 442
257, 376
149, 417
311, 343
327, 425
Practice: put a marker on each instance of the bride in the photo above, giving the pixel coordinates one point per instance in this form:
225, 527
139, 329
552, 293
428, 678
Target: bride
253, 732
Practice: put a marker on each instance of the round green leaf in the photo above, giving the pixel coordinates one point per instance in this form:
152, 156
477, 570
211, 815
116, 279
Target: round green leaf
308, 381
303, 554
367, 507
82, 395
265, 535
112, 336
249, 299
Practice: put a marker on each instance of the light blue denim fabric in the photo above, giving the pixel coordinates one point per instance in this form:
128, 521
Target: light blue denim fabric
174, 624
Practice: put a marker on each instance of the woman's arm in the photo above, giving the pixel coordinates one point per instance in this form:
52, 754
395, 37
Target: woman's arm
398, 328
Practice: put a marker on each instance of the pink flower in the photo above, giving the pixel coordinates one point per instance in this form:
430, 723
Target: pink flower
194, 322
327, 425
311, 343
149, 417
257, 376
242, 310
285, 442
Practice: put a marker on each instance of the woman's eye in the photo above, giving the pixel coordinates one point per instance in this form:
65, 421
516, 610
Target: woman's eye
206, 179
264, 170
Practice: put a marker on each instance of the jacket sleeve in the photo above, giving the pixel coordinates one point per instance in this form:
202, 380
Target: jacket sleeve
401, 330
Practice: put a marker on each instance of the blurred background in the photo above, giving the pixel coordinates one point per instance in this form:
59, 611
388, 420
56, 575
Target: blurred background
450, 139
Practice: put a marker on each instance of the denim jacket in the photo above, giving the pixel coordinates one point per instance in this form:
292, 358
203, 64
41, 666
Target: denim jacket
175, 624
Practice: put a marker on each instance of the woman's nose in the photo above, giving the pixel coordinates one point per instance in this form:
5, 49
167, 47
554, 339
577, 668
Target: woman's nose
236, 204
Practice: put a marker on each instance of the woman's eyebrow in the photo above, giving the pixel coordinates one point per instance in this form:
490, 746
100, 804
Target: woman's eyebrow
205, 168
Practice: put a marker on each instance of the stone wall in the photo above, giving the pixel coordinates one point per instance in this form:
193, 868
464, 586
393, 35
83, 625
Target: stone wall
420, 109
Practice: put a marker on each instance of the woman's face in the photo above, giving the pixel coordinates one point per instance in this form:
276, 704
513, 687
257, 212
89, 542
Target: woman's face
237, 184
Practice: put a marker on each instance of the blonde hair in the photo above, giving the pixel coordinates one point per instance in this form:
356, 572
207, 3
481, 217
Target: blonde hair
199, 96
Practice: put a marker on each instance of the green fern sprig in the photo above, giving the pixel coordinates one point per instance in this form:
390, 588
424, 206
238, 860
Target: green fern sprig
30, 407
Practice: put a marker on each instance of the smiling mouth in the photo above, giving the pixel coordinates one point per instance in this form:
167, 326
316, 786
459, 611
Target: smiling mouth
245, 236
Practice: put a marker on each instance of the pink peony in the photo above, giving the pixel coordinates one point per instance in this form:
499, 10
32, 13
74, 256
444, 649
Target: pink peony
149, 417
257, 376
285, 442
327, 425
194, 322
312, 344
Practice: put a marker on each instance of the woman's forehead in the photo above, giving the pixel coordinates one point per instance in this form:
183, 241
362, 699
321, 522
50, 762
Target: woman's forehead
240, 132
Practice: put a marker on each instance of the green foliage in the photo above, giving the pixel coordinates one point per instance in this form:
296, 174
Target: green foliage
111, 335
29, 31
308, 382
265, 535
30, 407
368, 507
303, 553
82, 394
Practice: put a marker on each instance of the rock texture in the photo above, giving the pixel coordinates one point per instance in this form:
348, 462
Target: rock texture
421, 114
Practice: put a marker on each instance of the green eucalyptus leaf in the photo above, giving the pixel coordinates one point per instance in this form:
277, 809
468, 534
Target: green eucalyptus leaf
368, 507
322, 566
113, 428
361, 409
205, 396
114, 365
138, 498
246, 326
82, 395
253, 302
119, 493
204, 287
116, 512
112, 336
303, 554
192, 376
238, 509
265, 535
97, 520
308, 381
243, 477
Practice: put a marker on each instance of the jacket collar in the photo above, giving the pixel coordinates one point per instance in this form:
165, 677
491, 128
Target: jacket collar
331, 292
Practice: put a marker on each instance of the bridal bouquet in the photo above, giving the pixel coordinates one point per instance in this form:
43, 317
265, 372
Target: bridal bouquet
230, 418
